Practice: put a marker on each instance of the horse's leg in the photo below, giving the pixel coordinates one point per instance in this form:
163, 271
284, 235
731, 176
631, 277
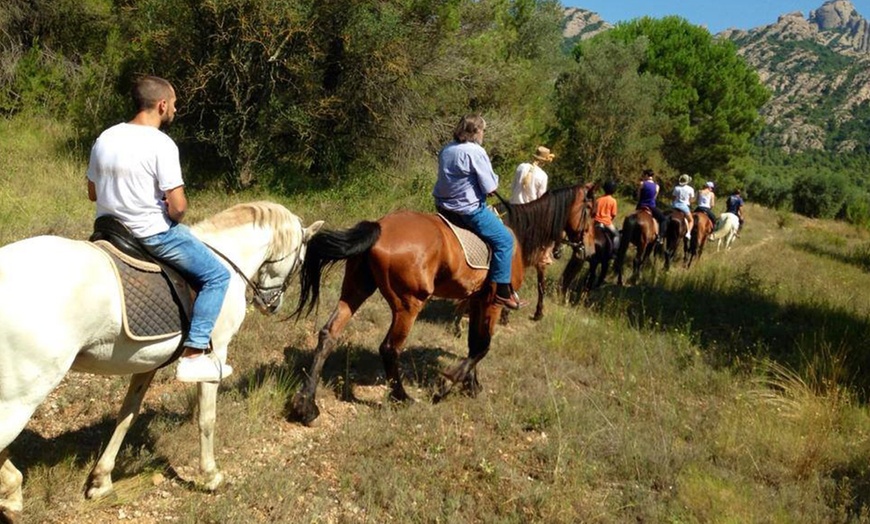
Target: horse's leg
589, 281
605, 266
539, 308
357, 286
211, 476
100, 479
569, 274
394, 341
481, 324
639, 259
11, 499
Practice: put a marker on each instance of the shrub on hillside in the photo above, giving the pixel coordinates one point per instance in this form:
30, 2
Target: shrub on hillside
769, 190
856, 209
819, 194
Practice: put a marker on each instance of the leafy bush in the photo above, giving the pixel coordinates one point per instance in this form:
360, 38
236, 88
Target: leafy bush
769, 190
819, 194
856, 209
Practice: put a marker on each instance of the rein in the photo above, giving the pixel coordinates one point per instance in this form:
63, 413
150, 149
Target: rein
579, 246
259, 298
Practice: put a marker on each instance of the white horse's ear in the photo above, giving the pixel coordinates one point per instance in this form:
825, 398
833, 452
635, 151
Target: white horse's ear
309, 231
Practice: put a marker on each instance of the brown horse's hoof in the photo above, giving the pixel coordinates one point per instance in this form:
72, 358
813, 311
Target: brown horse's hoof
303, 410
471, 388
537, 316
445, 385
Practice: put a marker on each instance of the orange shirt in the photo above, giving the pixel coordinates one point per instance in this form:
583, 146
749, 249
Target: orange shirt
605, 210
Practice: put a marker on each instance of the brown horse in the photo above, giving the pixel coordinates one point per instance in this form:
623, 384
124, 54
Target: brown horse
701, 230
675, 228
410, 257
638, 229
599, 262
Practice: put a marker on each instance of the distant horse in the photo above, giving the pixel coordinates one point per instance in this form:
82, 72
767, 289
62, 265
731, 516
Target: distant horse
410, 256
701, 230
675, 227
726, 229
638, 229
599, 262
61, 309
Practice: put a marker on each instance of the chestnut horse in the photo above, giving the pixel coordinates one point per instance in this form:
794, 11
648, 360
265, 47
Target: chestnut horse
638, 229
701, 231
410, 256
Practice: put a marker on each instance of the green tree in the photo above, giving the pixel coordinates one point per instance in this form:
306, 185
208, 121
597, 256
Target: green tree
609, 119
819, 194
714, 96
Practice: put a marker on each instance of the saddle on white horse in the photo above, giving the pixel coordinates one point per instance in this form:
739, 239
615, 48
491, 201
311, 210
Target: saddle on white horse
156, 300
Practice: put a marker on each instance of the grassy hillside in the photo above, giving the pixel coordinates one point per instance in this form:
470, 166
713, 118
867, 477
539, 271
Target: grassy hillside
731, 392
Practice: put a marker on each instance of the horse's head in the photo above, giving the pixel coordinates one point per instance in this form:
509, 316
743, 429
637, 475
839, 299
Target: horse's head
285, 256
580, 226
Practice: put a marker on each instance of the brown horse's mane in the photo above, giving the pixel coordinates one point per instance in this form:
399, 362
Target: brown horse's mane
541, 221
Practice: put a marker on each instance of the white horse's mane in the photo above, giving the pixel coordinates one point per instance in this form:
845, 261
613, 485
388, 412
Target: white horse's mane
262, 214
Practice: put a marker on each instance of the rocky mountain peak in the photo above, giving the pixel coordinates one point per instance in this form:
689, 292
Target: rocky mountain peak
835, 14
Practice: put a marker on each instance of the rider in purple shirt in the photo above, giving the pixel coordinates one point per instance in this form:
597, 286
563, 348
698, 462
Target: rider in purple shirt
646, 197
465, 178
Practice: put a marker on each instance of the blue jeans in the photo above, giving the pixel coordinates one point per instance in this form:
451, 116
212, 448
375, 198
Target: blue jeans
682, 207
201, 268
491, 229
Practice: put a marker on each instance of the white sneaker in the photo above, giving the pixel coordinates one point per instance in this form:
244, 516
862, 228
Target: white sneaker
201, 368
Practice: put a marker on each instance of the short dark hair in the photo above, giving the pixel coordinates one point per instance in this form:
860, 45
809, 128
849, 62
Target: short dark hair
149, 90
468, 127
648, 172
609, 187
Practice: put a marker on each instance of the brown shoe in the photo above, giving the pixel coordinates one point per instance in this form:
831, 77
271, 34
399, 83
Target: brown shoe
510, 303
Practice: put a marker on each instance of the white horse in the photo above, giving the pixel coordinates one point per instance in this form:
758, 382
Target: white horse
726, 229
60, 310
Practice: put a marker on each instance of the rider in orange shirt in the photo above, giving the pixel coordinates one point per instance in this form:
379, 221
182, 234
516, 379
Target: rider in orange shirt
605, 211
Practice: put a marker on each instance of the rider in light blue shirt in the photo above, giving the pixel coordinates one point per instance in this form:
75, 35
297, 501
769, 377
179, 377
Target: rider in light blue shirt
465, 178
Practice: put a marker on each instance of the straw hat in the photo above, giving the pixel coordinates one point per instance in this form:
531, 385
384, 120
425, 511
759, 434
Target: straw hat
543, 154
685, 179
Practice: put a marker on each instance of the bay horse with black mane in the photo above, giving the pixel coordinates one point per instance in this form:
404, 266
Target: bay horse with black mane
599, 262
638, 229
409, 257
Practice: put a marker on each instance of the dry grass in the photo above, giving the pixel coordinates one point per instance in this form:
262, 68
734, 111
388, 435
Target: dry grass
728, 393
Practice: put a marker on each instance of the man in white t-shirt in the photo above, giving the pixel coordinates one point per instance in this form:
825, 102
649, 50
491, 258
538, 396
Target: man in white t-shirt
134, 174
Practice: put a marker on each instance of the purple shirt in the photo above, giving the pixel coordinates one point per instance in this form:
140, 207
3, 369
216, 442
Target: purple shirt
465, 177
648, 191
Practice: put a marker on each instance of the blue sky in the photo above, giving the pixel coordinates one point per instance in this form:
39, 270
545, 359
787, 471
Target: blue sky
716, 15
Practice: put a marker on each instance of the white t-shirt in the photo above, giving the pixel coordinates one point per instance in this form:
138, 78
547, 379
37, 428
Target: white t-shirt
684, 194
530, 182
131, 167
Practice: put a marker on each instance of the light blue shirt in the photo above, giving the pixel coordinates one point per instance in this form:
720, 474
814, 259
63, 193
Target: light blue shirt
465, 177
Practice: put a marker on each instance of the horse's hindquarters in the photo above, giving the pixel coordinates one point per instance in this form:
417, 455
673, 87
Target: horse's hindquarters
418, 254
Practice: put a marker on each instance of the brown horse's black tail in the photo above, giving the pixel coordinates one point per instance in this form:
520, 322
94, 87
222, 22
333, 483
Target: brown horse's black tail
324, 249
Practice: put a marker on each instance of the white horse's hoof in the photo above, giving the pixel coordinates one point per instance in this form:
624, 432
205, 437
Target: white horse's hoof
213, 481
99, 490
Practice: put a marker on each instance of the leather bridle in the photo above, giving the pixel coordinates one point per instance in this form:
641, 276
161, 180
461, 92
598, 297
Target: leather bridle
265, 297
